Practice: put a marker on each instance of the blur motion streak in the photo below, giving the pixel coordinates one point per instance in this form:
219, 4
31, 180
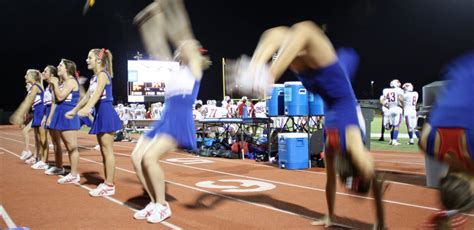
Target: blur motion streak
89, 4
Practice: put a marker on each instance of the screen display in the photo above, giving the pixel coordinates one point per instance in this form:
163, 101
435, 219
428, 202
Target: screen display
147, 79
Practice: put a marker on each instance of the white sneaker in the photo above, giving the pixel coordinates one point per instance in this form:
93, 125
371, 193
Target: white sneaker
51, 146
40, 165
55, 171
25, 155
103, 190
97, 147
160, 213
145, 213
395, 142
69, 179
30, 161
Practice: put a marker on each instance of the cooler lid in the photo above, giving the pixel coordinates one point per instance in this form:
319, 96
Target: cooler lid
292, 135
293, 83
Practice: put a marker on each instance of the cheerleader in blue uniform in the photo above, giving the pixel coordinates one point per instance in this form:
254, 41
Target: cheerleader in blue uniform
67, 97
448, 136
176, 127
34, 100
305, 49
50, 104
106, 121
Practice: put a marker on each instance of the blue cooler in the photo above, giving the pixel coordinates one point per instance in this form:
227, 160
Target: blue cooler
293, 151
296, 99
276, 104
316, 104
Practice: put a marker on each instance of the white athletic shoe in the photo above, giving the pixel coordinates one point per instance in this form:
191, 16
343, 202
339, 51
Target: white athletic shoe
160, 213
145, 213
395, 143
51, 146
25, 155
69, 179
40, 165
30, 161
103, 190
97, 147
55, 171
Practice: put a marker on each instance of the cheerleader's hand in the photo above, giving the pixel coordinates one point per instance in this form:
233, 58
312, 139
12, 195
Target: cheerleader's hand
70, 115
84, 112
53, 81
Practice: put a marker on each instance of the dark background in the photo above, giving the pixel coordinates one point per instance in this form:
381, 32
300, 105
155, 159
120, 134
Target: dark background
406, 39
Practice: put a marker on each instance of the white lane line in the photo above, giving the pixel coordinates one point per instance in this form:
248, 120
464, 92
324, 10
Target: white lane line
400, 162
288, 184
6, 218
170, 225
200, 190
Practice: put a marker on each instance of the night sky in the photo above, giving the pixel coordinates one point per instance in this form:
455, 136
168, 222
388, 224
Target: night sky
406, 39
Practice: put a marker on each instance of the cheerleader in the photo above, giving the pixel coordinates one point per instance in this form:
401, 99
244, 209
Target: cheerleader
67, 95
34, 99
106, 121
176, 127
50, 105
26, 129
448, 136
305, 49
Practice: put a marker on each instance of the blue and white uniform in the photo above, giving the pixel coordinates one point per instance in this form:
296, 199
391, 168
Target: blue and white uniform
38, 107
177, 117
333, 84
106, 119
59, 120
48, 101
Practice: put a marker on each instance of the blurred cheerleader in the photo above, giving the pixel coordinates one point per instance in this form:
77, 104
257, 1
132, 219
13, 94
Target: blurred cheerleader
34, 99
448, 136
305, 49
176, 127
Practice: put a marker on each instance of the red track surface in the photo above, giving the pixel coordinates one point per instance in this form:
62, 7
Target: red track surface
35, 200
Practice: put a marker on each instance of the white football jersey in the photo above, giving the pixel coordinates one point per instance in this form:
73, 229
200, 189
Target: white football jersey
260, 109
391, 96
197, 115
409, 100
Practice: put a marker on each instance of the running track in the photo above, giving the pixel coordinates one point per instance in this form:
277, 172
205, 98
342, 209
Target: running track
31, 199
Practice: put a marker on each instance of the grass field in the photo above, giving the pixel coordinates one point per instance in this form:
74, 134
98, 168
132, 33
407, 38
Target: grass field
383, 145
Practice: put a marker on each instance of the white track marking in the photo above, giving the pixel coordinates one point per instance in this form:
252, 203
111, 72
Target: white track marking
170, 225
282, 183
6, 218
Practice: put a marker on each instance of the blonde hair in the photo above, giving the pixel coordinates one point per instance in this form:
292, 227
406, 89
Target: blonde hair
105, 60
36, 74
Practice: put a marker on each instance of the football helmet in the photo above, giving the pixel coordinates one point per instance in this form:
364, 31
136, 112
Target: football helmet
408, 87
395, 83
